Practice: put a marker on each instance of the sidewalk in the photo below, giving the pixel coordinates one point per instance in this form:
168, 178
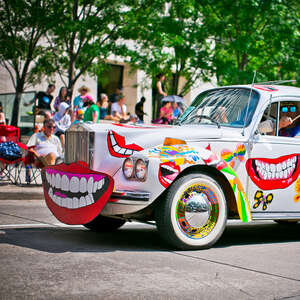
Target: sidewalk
24, 192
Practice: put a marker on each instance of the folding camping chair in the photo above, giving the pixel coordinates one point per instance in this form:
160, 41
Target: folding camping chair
9, 168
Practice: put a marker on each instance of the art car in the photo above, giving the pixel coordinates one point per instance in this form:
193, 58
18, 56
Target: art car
228, 157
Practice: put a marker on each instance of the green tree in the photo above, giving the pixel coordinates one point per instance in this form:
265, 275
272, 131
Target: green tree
173, 40
261, 35
87, 33
23, 24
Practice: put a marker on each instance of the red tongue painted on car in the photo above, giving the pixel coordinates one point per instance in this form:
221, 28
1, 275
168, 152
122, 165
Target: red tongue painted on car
74, 193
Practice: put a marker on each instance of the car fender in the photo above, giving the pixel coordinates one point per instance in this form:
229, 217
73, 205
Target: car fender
174, 159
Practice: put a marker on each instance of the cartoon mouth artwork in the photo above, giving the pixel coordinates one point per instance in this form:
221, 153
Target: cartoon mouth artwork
168, 171
117, 146
74, 193
271, 174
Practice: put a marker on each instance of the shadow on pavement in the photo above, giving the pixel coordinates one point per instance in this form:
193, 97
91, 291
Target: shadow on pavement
272, 232
77, 239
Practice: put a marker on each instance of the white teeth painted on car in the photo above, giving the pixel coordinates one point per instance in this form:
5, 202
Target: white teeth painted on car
65, 183
281, 170
89, 199
117, 148
57, 181
53, 180
90, 185
74, 184
112, 139
60, 185
82, 185
82, 202
75, 202
100, 184
272, 167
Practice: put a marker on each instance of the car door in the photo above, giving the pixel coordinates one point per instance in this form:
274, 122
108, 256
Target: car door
273, 168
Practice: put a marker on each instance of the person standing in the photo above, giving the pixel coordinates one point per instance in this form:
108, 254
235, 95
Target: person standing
92, 112
139, 109
78, 102
159, 93
103, 106
62, 97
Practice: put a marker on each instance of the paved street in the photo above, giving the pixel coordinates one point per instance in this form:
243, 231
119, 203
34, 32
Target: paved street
41, 258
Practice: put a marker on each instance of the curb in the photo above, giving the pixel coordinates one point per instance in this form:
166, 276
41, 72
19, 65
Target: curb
13, 192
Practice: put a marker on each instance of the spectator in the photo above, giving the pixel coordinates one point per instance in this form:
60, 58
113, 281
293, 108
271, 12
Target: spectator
119, 110
166, 113
2, 116
79, 101
79, 116
159, 93
62, 97
133, 119
62, 121
44, 100
103, 106
46, 146
176, 110
92, 112
139, 109
113, 98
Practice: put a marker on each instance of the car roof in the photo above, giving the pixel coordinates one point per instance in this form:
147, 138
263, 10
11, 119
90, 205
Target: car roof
275, 90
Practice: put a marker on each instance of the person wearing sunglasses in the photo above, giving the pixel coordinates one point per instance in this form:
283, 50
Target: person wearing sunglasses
288, 126
45, 146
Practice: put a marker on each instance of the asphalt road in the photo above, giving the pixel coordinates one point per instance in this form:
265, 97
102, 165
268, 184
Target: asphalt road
41, 258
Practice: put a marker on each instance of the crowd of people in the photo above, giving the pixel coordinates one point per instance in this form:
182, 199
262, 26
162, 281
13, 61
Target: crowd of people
47, 143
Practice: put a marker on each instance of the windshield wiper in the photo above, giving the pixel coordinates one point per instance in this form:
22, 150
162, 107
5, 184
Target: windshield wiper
205, 117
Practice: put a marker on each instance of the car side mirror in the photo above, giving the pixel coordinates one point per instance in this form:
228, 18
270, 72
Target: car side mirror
265, 127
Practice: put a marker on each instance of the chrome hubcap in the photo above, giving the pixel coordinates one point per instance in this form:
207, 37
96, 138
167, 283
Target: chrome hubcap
197, 210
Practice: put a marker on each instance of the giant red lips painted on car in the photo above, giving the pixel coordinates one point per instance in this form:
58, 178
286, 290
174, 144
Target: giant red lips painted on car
167, 173
74, 193
271, 174
117, 146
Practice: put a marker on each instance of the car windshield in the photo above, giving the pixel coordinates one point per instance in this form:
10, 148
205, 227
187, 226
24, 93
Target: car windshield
223, 107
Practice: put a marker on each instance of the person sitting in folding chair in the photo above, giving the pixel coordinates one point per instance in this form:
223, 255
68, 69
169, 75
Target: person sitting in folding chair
45, 146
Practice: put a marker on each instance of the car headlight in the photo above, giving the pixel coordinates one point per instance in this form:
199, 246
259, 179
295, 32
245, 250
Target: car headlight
140, 169
128, 168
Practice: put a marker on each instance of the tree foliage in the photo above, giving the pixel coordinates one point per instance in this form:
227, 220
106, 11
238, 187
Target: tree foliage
261, 35
174, 41
23, 24
87, 33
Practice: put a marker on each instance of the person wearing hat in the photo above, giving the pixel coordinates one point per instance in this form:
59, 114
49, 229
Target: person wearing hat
62, 121
78, 102
92, 112
79, 116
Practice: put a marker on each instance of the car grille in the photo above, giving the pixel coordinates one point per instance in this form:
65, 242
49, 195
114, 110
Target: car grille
79, 145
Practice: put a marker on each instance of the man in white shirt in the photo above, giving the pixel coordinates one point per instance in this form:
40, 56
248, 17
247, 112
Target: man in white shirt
47, 146
118, 109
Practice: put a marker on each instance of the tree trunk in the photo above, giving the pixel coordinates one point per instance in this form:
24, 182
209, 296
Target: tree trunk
17, 100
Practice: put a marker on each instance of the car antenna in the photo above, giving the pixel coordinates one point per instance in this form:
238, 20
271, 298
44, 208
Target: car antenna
249, 99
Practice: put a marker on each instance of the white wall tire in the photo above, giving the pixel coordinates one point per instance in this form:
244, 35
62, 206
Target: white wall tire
194, 214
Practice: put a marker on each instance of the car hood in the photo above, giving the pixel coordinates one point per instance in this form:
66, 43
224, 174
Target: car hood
115, 142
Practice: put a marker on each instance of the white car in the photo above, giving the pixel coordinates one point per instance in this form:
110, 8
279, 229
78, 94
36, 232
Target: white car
225, 159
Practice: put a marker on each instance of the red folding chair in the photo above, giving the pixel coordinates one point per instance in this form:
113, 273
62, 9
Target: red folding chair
9, 169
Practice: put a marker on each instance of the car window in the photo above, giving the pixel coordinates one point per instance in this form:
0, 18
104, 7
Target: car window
228, 107
284, 117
